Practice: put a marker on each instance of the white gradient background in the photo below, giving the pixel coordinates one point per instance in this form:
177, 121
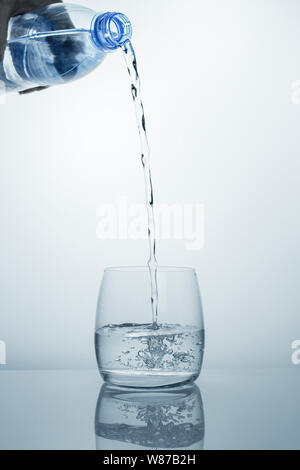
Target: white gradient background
216, 79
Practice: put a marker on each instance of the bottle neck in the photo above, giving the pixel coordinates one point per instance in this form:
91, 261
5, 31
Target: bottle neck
110, 30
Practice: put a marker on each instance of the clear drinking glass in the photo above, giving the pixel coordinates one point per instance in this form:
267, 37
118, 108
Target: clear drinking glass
130, 350
130, 419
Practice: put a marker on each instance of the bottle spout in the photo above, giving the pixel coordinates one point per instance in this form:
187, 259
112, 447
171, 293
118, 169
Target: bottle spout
110, 30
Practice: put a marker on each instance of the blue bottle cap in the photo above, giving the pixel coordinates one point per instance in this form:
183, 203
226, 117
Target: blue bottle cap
110, 30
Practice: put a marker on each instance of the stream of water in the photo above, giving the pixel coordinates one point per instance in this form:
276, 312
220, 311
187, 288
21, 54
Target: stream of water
130, 59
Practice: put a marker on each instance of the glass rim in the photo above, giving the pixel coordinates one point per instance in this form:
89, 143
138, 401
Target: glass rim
146, 268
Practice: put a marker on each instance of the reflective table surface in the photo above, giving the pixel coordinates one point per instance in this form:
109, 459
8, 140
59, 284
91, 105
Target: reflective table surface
226, 409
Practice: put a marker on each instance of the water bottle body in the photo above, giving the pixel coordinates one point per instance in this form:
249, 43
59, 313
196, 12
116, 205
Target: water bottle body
51, 46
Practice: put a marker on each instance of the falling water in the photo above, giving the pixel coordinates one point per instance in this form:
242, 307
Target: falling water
130, 59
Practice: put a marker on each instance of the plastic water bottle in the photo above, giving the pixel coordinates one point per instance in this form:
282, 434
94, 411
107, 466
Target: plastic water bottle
59, 43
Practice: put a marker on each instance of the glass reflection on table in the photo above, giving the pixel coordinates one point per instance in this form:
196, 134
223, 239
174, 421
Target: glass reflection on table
131, 419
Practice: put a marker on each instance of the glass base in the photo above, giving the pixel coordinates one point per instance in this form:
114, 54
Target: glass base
147, 379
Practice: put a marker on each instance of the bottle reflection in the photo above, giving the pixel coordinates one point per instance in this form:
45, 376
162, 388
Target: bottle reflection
149, 419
